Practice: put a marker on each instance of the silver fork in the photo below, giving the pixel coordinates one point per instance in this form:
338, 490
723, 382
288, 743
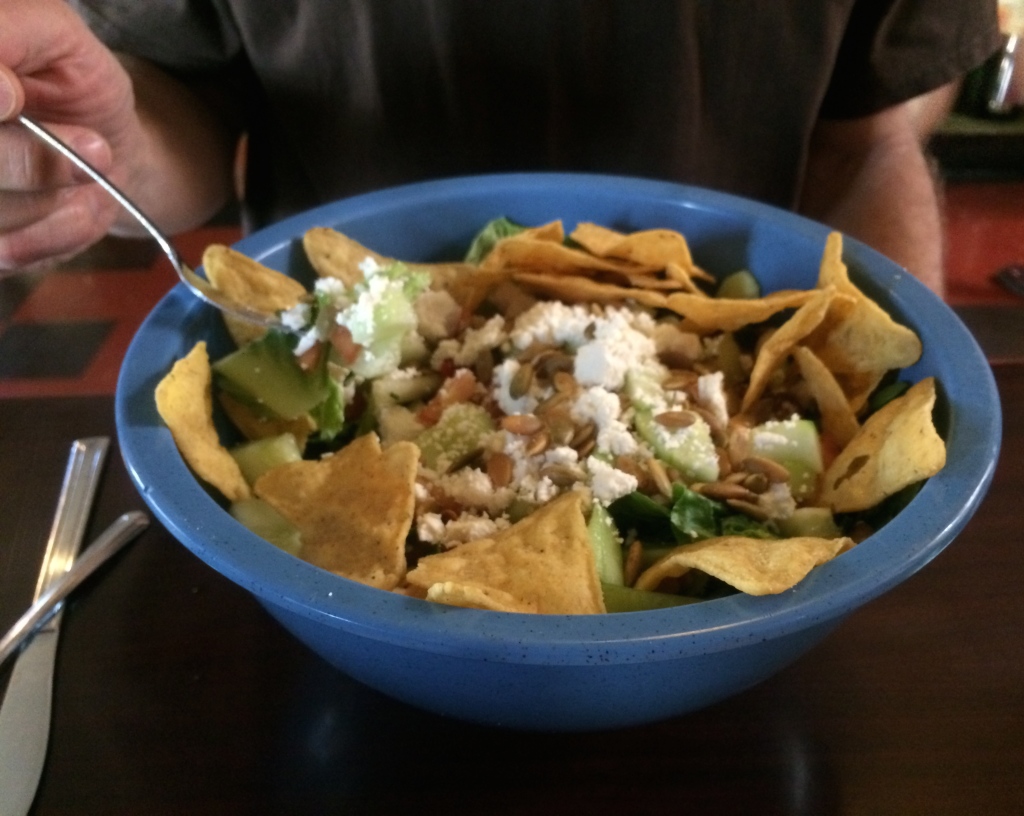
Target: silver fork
199, 286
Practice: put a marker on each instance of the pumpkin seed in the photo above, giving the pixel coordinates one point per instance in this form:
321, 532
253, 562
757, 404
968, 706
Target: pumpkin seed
500, 468
519, 385
676, 419
770, 468
522, 424
538, 443
726, 491
660, 477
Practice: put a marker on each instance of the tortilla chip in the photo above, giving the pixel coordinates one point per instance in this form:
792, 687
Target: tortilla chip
477, 597
253, 425
896, 446
184, 401
249, 282
837, 418
684, 279
575, 289
858, 341
468, 285
653, 248
552, 231
353, 509
529, 254
731, 314
752, 565
596, 239
654, 282
543, 563
335, 255
777, 347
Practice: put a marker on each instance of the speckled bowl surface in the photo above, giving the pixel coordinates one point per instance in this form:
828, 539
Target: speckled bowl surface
564, 672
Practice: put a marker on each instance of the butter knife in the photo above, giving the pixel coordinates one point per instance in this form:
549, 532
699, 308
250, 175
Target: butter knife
25, 713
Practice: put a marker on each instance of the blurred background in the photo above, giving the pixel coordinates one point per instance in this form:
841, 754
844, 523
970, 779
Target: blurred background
85, 312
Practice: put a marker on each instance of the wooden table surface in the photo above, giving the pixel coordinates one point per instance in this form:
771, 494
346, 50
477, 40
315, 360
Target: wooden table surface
176, 693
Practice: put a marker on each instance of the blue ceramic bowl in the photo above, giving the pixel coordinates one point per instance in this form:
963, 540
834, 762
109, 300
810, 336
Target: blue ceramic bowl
565, 672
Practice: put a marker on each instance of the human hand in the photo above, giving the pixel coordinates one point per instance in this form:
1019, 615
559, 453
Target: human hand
54, 69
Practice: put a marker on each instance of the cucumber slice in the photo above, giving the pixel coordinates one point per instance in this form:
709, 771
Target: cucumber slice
381, 318
461, 430
741, 285
268, 524
396, 423
266, 373
809, 521
689, 450
257, 457
643, 387
626, 599
607, 545
794, 444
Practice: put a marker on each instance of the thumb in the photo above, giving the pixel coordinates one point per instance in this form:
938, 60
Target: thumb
12, 96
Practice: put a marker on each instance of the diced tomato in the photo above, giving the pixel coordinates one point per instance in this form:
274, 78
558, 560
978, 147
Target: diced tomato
310, 358
347, 348
461, 387
447, 368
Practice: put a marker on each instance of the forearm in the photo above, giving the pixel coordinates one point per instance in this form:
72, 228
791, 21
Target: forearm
871, 179
183, 173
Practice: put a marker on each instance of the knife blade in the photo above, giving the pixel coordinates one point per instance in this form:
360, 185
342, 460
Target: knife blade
25, 712
125, 527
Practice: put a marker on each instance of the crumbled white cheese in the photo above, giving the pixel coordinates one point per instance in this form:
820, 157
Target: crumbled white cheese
562, 455
777, 501
421, 492
711, 396
358, 317
296, 317
528, 484
617, 439
782, 424
334, 288
604, 409
488, 336
299, 316
369, 266
470, 527
553, 322
609, 483
472, 488
501, 380
306, 341
616, 348
437, 314
430, 528
544, 490
596, 405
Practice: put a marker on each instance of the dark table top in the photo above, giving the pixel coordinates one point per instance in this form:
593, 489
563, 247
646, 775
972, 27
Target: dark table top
175, 693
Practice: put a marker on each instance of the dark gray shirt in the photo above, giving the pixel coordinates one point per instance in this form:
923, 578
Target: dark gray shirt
342, 96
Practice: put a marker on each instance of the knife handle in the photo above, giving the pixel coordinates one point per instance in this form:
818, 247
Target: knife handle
81, 478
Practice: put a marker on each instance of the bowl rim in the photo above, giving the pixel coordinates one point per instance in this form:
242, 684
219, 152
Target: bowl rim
832, 590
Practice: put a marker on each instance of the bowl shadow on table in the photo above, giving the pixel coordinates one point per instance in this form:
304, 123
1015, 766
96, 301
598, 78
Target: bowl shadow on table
347, 746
